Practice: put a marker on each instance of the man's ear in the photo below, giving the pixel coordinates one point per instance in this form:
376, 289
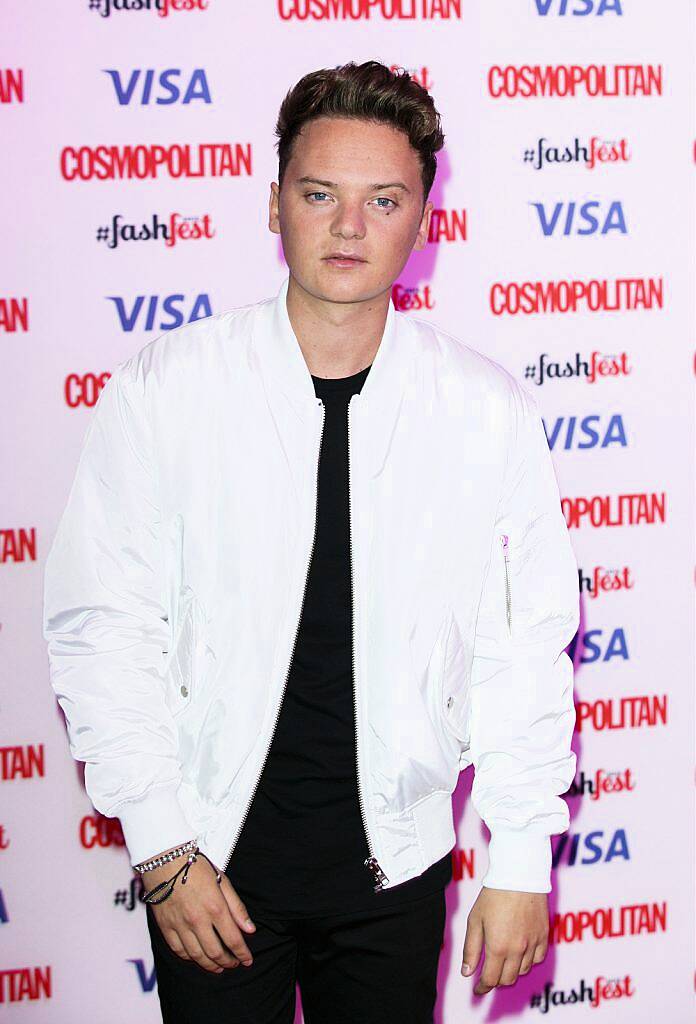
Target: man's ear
274, 208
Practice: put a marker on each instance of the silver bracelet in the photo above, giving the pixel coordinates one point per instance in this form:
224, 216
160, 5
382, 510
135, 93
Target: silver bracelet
157, 862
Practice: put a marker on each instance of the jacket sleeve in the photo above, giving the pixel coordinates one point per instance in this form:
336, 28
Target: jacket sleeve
106, 624
522, 706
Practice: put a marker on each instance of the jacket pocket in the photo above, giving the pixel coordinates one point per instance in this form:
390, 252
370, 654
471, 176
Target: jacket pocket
182, 661
455, 687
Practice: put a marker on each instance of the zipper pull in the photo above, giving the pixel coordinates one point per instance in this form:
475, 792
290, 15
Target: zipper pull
508, 610
377, 872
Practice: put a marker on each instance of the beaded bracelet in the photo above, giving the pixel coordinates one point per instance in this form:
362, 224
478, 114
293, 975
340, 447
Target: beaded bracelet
164, 858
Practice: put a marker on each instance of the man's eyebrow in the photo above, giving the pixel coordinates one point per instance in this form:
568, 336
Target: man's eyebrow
305, 180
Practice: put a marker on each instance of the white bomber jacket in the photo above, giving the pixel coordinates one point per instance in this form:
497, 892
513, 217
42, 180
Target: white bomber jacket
174, 585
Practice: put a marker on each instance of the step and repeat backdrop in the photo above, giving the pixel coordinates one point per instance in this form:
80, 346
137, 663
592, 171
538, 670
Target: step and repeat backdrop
137, 155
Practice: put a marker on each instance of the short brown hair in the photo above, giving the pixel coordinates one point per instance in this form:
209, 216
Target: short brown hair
370, 92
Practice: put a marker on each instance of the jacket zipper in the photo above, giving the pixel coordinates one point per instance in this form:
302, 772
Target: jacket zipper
505, 540
292, 653
371, 861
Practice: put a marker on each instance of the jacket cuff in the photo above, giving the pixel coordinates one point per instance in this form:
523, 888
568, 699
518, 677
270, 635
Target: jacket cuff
154, 823
519, 860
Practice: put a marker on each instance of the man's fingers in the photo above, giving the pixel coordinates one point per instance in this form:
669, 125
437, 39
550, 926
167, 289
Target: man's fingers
511, 970
237, 906
196, 952
234, 941
473, 945
490, 975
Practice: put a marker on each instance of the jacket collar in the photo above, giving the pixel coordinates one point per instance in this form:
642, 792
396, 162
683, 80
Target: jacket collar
290, 386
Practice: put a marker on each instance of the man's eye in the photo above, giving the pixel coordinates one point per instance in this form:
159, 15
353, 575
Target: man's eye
388, 200
308, 194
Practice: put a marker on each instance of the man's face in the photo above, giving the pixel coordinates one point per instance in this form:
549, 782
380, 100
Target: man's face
352, 204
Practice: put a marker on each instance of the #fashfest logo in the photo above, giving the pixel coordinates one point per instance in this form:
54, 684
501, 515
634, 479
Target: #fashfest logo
592, 367
565, 81
594, 153
605, 580
171, 229
602, 783
595, 994
162, 8
364, 10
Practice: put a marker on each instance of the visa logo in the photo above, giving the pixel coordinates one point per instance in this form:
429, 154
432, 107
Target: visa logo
144, 311
599, 646
578, 8
163, 88
591, 848
147, 980
581, 219
570, 432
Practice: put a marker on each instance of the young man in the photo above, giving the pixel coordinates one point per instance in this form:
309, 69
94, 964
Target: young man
313, 564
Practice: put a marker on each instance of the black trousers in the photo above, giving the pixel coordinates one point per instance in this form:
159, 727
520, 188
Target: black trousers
367, 967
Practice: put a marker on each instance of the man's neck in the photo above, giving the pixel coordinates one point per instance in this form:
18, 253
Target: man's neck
336, 338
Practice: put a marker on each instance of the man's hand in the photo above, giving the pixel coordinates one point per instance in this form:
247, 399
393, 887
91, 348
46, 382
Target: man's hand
515, 928
186, 918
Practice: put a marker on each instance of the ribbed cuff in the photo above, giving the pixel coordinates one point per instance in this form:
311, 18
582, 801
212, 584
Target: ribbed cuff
519, 860
154, 823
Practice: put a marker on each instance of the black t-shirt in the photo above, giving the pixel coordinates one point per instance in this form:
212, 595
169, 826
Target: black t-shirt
302, 847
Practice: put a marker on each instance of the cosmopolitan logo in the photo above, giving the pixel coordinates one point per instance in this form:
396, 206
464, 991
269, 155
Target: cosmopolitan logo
578, 8
592, 154
11, 85
163, 8
605, 989
98, 832
575, 432
83, 389
364, 10
608, 922
17, 544
169, 230
600, 645
594, 847
605, 581
578, 219
447, 226
25, 984
406, 299
14, 315
602, 783
643, 509
535, 81
623, 294
161, 313
596, 366
161, 88
644, 711
202, 160
27, 762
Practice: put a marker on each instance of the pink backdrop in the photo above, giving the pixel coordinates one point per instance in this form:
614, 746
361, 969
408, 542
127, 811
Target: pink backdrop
562, 247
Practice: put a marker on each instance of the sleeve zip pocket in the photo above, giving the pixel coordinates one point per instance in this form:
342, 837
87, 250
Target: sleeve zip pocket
505, 540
